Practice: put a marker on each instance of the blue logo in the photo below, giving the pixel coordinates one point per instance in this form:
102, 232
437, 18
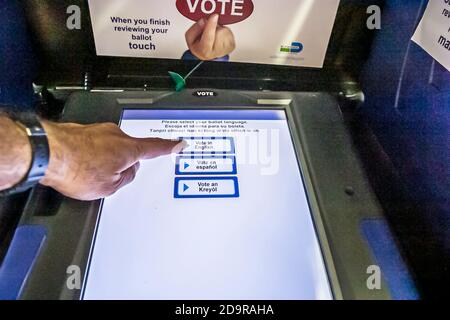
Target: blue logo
295, 47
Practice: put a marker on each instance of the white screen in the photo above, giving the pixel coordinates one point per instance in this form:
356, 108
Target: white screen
228, 219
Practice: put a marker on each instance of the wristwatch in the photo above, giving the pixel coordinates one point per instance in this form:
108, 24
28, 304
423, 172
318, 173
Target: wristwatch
39, 150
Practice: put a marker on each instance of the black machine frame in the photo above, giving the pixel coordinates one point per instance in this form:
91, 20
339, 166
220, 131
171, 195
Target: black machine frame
338, 190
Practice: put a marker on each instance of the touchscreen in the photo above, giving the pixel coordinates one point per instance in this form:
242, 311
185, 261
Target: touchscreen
227, 219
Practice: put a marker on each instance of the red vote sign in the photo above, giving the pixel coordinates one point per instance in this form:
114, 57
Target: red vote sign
230, 11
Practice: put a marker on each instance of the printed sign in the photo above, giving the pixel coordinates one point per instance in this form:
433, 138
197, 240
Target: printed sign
433, 32
288, 32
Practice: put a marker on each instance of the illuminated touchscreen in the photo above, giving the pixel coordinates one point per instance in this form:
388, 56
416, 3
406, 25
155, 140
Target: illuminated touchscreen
226, 219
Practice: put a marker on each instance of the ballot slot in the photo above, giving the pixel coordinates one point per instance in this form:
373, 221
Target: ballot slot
219, 225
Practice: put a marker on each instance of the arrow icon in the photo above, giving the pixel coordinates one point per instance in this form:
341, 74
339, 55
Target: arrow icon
186, 165
185, 187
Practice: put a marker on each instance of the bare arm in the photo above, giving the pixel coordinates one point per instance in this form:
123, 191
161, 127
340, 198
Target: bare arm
15, 153
87, 162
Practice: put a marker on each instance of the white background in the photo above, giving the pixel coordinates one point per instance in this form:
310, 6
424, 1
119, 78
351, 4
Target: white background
260, 37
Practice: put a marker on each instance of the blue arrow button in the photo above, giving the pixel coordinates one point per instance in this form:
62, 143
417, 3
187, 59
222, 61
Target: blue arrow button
186, 165
207, 187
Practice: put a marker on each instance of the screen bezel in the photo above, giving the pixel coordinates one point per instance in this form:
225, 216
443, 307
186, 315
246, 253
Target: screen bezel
313, 204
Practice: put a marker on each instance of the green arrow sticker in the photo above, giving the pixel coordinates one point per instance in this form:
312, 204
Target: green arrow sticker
180, 82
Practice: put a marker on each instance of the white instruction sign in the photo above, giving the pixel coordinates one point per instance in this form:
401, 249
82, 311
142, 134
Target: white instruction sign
433, 32
288, 32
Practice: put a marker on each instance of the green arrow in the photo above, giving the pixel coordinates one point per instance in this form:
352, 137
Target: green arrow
180, 82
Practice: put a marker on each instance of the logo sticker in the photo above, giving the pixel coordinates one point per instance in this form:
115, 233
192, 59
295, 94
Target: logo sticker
295, 47
204, 93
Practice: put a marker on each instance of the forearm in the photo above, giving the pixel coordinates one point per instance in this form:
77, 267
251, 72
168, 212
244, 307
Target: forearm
15, 153
86, 162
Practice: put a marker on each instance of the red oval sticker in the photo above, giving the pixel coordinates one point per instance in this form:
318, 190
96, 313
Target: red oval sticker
230, 11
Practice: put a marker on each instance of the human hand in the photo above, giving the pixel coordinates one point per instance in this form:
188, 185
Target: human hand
207, 40
94, 161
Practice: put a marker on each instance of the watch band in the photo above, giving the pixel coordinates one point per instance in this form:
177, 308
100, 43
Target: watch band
39, 149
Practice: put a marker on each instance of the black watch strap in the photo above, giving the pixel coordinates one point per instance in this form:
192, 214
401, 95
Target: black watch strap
40, 153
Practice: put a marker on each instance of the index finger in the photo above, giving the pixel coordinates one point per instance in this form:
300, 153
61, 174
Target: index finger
150, 148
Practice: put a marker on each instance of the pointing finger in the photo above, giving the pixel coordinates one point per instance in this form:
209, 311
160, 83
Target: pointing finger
149, 148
